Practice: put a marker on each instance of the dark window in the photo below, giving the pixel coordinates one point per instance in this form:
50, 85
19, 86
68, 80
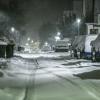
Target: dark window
93, 31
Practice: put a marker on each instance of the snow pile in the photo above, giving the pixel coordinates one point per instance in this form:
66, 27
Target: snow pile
80, 66
20, 66
42, 55
2, 60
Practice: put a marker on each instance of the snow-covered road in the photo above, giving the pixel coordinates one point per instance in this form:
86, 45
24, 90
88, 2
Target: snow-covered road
49, 76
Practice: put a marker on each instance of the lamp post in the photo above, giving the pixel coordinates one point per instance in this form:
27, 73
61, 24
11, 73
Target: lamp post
12, 29
78, 22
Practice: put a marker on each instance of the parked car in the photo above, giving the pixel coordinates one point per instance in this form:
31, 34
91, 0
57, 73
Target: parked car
62, 45
21, 48
46, 48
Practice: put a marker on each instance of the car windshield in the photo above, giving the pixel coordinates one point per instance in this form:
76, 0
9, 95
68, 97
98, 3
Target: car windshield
49, 49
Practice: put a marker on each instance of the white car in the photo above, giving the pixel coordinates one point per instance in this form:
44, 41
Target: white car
62, 45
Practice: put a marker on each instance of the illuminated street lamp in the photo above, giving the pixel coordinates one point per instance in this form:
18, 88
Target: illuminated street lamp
28, 39
57, 38
32, 41
58, 34
27, 44
46, 44
78, 22
12, 29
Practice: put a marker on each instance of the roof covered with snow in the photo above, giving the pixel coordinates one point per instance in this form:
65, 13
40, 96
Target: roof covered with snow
3, 42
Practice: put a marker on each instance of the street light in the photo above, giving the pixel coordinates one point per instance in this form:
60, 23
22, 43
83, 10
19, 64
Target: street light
78, 22
57, 38
46, 44
27, 44
12, 29
32, 41
28, 39
58, 34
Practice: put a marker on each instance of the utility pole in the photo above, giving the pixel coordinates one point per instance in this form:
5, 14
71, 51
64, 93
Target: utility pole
93, 9
84, 8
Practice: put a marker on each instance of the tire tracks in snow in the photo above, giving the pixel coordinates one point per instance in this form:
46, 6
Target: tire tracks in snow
28, 89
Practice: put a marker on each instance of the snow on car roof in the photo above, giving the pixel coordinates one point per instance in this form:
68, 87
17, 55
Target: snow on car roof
3, 42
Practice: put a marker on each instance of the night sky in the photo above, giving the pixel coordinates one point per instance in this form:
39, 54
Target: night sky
31, 14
